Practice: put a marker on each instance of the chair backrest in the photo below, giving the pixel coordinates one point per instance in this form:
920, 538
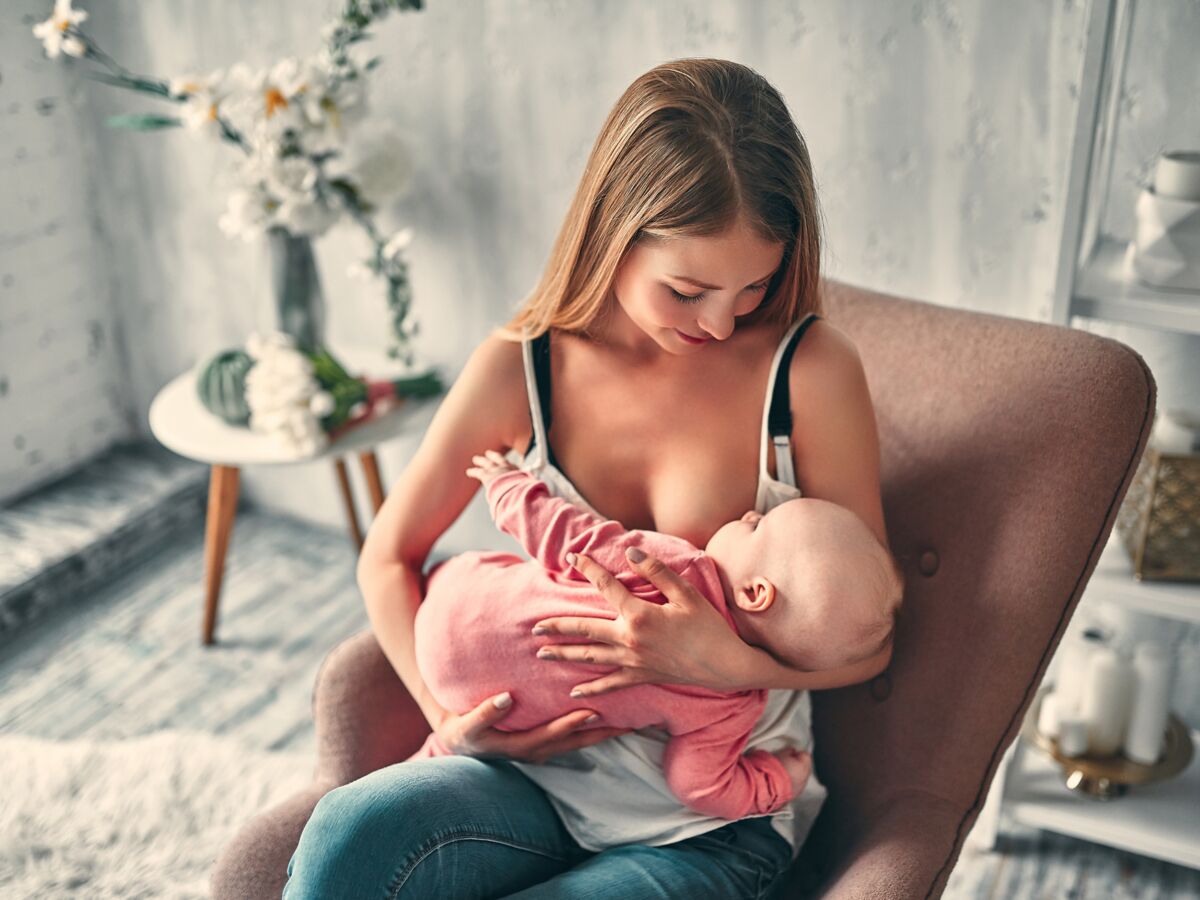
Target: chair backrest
1006, 449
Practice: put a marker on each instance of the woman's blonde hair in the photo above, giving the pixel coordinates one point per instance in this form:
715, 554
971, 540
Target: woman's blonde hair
688, 148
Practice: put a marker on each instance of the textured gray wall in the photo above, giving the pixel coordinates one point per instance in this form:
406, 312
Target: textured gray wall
62, 383
939, 132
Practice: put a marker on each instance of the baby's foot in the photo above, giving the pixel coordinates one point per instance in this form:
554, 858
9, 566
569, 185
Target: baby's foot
798, 764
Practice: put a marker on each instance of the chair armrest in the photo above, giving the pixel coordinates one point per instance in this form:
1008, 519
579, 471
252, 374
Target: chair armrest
907, 849
365, 718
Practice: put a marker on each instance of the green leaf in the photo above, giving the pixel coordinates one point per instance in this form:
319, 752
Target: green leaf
372, 63
142, 122
142, 85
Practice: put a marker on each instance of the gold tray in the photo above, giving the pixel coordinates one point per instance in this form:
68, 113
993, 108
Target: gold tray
1106, 777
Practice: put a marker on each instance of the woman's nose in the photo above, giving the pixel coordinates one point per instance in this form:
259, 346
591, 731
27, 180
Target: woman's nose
719, 324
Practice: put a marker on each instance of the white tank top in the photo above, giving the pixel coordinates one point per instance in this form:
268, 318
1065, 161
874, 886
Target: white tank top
614, 792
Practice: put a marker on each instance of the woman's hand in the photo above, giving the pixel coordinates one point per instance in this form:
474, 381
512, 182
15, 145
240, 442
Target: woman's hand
472, 734
684, 641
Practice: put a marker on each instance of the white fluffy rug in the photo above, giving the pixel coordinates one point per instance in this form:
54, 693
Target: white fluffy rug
143, 817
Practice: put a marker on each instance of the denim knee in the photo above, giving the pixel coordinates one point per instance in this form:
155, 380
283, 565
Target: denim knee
350, 843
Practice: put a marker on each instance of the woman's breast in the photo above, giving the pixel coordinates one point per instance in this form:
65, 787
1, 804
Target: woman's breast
677, 478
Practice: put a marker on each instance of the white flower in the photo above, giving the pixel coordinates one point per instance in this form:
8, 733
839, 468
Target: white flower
287, 177
322, 404
54, 32
285, 399
202, 100
259, 345
304, 216
397, 244
249, 212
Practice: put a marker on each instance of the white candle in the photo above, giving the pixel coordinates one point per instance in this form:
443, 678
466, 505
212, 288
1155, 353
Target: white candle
1074, 654
1072, 735
1047, 722
1148, 721
1106, 701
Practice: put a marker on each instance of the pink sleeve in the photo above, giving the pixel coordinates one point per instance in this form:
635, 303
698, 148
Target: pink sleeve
550, 527
706, 769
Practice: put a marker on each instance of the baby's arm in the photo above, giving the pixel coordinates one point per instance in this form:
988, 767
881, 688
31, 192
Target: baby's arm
706, 769
548, 527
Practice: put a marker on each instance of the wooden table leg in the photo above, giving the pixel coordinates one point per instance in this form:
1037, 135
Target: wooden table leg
343, 478
223, 486
370, 466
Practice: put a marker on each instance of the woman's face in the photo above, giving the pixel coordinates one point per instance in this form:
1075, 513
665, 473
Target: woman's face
685, 293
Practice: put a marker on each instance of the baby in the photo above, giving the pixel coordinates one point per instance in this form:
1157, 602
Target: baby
807, 582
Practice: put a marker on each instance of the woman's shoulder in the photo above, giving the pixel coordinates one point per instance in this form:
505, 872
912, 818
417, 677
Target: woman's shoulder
825, 355
493, 382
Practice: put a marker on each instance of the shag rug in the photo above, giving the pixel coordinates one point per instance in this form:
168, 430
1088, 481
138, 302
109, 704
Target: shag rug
144, 817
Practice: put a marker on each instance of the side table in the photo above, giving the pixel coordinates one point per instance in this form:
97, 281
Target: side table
180, 422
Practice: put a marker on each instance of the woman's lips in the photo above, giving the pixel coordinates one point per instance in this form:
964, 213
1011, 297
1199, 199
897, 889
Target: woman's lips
690, 339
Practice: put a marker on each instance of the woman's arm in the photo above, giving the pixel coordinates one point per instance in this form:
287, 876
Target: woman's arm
835, 451
683, 641
482, 410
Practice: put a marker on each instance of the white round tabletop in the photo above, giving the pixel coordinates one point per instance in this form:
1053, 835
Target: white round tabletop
180, 423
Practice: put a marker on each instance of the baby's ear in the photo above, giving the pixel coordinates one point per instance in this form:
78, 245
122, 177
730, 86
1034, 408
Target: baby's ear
757, 596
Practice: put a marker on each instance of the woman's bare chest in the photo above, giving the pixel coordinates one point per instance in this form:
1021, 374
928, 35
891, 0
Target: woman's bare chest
658, 451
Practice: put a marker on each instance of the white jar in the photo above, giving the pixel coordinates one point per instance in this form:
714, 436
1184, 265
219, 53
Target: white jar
1106, 697
1151, 695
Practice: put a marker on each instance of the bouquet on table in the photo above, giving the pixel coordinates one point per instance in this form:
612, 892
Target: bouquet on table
302, 398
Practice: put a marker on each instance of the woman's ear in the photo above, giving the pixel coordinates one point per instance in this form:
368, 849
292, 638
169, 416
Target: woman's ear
757, 596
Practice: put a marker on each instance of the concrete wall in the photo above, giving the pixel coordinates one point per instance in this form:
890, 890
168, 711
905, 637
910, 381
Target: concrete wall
940, 133
62, 379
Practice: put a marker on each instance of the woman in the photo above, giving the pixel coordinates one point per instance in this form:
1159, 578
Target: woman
682, 282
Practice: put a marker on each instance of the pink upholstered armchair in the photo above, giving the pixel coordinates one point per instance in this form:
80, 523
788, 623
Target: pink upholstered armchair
1007, 447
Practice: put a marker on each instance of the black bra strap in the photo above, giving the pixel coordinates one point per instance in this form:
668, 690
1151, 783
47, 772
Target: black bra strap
779, 419
541, 374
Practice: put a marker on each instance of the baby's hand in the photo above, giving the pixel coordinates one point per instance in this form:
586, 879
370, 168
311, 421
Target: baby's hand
798, 764
489, 467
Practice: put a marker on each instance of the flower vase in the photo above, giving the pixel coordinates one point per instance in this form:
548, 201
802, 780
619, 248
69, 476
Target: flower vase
299, 304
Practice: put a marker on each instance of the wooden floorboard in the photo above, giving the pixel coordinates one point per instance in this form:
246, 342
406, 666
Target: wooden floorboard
128, 661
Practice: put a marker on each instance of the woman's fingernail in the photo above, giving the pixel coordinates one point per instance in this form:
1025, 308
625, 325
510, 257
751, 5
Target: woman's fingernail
591, 720
571, 557
545, 654
540, 629
576, 693
504, 701
634, 554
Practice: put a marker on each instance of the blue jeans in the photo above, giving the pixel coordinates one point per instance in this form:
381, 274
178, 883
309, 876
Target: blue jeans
456, 827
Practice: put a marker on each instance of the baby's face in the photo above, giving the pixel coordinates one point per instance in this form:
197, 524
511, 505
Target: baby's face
743, 544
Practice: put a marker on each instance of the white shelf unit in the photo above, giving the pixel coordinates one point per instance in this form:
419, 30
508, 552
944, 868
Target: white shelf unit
1160, 820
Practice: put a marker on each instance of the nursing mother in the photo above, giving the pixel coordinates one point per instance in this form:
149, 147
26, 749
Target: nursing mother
671, 370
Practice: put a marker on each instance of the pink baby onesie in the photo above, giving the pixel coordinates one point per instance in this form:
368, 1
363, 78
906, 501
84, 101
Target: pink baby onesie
474, 640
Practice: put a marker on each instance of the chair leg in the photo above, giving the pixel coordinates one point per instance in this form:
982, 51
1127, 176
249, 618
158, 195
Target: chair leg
223, 486
343, 479
370, 466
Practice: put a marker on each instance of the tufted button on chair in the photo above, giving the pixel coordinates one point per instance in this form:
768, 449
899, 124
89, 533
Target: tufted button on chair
1008, 445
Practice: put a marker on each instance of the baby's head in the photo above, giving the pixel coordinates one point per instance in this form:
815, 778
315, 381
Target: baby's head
809, 583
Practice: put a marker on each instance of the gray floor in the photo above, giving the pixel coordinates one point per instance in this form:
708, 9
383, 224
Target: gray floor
128, 661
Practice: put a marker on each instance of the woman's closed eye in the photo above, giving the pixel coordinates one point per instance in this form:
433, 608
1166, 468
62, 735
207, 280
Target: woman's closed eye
696, 298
